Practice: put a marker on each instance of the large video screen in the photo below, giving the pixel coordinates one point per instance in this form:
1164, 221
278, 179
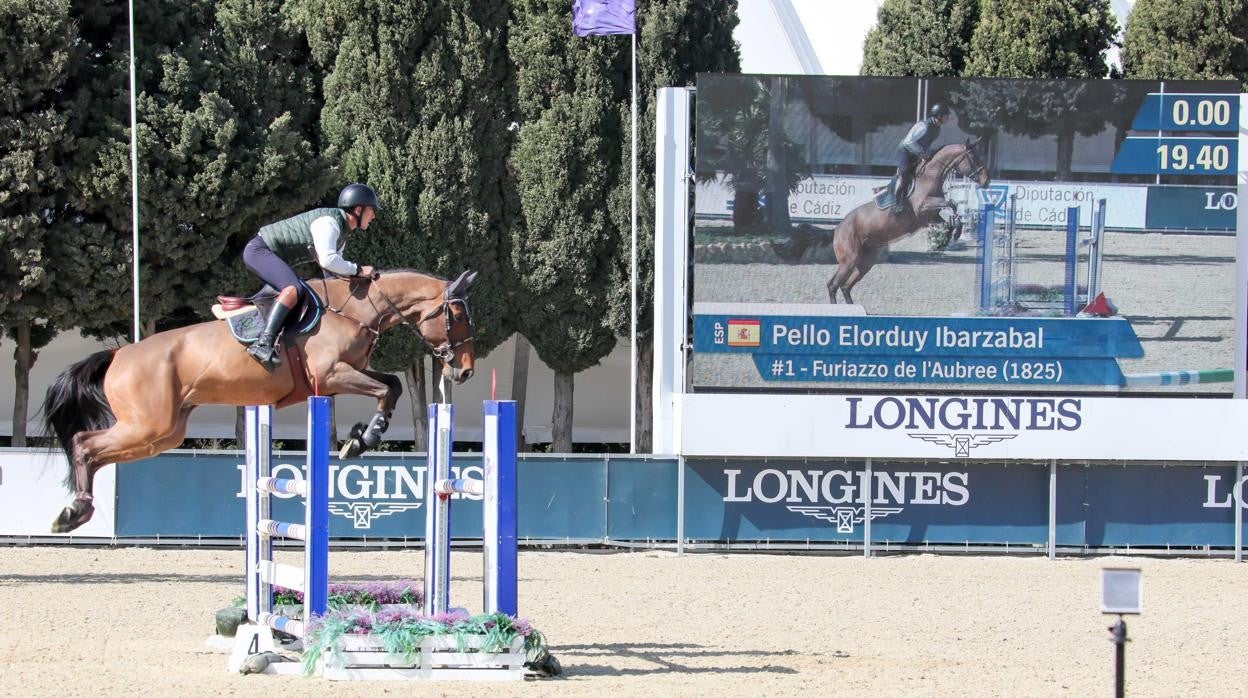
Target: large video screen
927, 235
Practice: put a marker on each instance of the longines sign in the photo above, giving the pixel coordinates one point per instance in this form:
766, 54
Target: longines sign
1042, 427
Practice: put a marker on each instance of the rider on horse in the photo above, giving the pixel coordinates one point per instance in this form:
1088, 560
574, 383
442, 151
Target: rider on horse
916, 146
271, 251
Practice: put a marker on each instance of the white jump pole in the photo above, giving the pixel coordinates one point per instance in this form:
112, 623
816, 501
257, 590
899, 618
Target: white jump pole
312, 579
498, 492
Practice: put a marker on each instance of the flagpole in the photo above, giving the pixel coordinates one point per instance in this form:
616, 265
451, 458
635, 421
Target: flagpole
632, 364
134, 178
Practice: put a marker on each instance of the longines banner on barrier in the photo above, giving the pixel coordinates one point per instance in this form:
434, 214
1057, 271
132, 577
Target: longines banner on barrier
960, 503
987, 236
382, 497
940, 501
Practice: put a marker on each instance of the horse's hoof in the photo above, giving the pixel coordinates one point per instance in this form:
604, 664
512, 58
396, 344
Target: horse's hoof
545, 664
70, 520
350, 449
61, 524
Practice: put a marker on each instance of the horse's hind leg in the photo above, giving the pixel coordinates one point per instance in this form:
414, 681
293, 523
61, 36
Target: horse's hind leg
866, 260
120, 443
838, 281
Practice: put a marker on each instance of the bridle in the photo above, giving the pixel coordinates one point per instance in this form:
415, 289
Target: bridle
973, 174
444, 351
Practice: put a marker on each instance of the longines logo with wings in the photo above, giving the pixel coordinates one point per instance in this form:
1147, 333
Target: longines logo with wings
362, 514
962, 443
844, 517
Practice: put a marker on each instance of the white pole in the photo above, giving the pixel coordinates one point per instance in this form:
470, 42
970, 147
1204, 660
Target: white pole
632, 362
134, 177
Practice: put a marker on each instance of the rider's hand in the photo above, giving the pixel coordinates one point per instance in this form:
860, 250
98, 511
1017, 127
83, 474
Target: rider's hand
368, 272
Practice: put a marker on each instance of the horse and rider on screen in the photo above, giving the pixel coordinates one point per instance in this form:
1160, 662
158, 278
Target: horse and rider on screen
913, 199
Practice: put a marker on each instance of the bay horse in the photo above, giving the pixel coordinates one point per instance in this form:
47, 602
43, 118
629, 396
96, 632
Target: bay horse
868, 229
133, 402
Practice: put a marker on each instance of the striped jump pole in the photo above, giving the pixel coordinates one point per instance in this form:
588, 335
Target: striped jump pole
996, 256
1073, 301
498, 491
1071, 291
1167, 378
312, 579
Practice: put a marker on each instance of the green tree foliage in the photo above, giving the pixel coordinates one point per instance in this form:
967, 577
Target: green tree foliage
1039, 39
227, 118
567, 165
677, 39
742, 139
417, 97
1042, 39
35, 145
1187, 40
925, 38
93, 270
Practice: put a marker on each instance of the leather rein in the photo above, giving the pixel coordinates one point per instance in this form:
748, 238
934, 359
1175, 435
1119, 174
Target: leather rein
444, 351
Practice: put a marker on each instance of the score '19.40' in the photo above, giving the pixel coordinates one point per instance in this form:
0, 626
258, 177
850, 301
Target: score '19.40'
1211, 158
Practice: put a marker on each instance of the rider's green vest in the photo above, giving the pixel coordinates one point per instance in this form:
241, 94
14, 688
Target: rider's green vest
291, 239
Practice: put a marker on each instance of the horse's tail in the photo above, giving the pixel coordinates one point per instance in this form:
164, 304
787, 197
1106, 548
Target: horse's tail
803, 237
75, 402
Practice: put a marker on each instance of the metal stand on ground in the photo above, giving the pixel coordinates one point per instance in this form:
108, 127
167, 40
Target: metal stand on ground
1122, 592
1118, 634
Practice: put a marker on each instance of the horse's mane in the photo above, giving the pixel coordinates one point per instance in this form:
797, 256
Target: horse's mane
955, 144
384, 273
966, 147
413, 271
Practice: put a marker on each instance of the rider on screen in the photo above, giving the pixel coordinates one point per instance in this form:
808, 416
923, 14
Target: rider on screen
916, 146
271, 251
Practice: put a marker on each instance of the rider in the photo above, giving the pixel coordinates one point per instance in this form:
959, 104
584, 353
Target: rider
271, 251
915, 146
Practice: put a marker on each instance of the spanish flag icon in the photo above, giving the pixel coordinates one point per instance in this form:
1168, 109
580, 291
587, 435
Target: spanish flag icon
744, 333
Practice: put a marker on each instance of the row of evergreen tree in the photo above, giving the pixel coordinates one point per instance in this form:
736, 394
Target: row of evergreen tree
1163, 39
497, 140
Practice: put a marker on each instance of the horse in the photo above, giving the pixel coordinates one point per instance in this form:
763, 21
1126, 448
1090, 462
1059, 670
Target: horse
868, 229
120, 405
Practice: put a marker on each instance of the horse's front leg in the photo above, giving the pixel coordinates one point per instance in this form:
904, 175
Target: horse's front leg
932, 206
346, 379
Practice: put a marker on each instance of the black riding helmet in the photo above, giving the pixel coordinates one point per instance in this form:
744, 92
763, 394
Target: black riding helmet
354, 195
938, 110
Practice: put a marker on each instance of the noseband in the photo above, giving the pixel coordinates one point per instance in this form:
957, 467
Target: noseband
446, 350
969, 152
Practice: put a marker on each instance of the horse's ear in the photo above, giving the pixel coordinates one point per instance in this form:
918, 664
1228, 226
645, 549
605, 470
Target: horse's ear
459, 287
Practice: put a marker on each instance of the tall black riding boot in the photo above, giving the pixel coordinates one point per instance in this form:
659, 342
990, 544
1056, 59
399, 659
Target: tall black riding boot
902, 194
265, 346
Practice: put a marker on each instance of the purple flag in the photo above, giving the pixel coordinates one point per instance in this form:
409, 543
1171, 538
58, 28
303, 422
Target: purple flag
601, 17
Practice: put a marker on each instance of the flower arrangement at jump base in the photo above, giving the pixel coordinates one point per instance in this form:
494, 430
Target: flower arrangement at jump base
402, 633
387, 617
374, 595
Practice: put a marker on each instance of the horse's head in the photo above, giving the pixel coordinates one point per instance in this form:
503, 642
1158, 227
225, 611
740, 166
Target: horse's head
968, 163
451, 339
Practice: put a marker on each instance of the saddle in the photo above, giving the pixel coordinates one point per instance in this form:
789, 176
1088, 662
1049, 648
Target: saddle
246, 316
886, 196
